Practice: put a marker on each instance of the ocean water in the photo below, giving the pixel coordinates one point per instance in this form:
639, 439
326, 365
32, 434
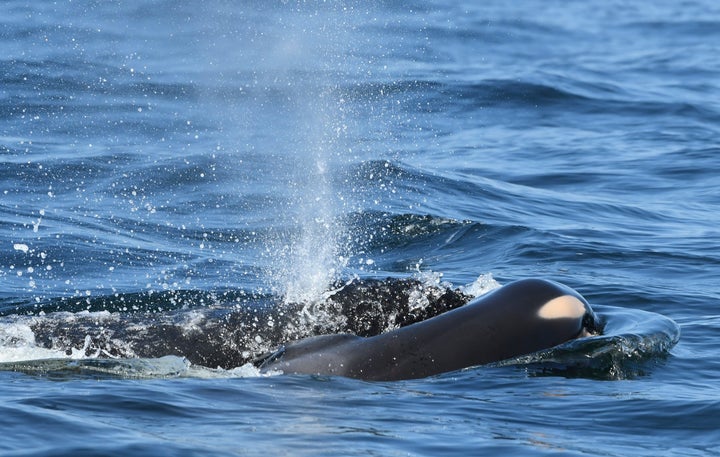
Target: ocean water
168, 161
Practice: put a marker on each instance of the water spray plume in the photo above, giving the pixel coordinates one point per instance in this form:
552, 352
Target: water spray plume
303, 64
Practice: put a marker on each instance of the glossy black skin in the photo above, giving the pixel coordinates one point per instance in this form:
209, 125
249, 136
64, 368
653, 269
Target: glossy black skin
496, 326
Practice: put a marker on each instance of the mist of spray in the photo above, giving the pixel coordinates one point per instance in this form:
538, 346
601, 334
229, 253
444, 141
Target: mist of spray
313, 258
306, 62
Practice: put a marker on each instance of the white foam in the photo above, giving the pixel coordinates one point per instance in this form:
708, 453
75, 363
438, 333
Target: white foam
24, 354
245, 371
17, 343
430, 278
417, 300
483, 284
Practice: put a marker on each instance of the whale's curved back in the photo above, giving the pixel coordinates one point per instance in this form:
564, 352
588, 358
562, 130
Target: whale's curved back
520, 318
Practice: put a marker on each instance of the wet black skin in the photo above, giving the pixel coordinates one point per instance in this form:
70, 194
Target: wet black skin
496, 326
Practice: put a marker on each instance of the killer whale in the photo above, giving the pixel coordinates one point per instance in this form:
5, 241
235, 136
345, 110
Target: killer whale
363, 321
519, 318
226, 329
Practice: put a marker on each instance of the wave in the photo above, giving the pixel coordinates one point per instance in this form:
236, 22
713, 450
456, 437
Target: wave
559, 96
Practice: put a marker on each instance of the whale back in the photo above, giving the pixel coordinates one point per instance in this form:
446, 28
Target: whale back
520, 318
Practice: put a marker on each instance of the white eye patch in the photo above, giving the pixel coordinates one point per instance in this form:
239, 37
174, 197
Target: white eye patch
564, 307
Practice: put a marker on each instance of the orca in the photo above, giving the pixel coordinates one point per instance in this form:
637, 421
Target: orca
522, 317
237, 328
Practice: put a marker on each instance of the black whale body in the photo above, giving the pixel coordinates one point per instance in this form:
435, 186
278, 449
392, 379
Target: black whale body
520, 318
372, 329
229, 329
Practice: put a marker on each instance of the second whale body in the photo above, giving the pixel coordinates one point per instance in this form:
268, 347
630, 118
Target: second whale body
520, 318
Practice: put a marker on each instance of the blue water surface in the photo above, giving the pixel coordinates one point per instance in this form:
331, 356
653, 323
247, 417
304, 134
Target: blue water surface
275, 147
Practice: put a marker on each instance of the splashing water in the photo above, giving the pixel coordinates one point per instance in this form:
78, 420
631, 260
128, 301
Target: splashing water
313, 257
307, 58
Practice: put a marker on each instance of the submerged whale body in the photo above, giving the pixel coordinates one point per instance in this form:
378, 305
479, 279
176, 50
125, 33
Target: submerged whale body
520, 318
